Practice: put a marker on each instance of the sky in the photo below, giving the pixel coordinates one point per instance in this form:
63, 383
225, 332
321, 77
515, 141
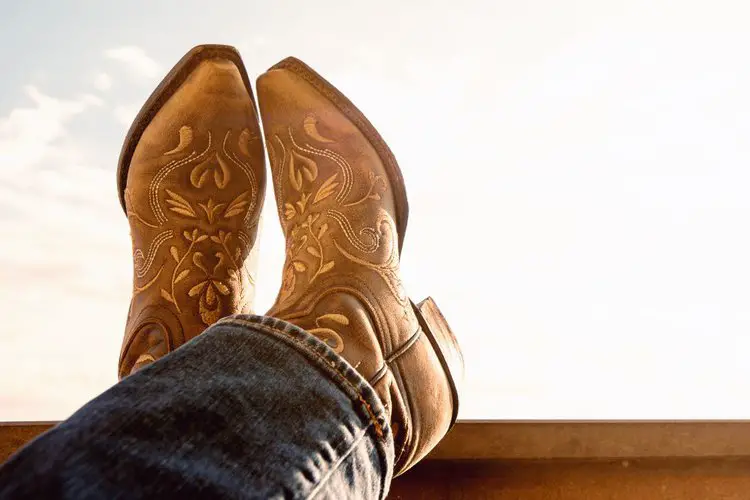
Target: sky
577, 175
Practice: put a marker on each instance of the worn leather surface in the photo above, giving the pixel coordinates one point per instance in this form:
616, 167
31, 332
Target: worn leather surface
341, 276
194, 191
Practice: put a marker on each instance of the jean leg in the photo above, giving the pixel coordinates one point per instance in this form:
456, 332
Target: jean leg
253, 408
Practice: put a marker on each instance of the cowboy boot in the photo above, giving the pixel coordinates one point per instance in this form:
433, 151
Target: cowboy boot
343, 210
191, 179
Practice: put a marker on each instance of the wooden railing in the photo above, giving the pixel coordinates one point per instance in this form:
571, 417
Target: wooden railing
563, 460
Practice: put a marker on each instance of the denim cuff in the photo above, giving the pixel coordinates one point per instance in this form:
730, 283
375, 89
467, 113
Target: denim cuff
364, 398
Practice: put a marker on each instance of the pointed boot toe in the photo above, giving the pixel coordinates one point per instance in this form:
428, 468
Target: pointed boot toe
191, 180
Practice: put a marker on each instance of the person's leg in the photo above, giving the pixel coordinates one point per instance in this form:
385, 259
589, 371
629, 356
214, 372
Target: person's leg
253, 408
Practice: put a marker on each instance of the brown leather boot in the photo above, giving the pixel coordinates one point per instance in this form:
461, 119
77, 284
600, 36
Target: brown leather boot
343, 209
191, 179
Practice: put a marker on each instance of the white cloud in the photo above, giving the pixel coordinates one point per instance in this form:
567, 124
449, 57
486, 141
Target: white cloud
136, 59
102, 81
65, 251
28, 134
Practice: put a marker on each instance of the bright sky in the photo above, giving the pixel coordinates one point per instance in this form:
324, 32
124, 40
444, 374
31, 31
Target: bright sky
577, 173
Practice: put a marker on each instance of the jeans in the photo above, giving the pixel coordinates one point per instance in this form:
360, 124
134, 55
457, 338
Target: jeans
253, 408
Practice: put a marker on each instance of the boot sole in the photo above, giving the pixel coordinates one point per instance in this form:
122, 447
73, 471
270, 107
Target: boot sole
168, 86
363, 124
445, 344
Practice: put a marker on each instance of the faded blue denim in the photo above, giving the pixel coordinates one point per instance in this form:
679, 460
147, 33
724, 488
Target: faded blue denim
253, 408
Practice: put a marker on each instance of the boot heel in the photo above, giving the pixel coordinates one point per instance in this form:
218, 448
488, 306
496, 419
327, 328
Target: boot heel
445, 344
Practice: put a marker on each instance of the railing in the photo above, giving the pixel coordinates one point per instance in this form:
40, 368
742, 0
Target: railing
558, 460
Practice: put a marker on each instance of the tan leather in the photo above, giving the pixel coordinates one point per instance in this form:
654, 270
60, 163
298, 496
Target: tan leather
193, 192
342, 206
